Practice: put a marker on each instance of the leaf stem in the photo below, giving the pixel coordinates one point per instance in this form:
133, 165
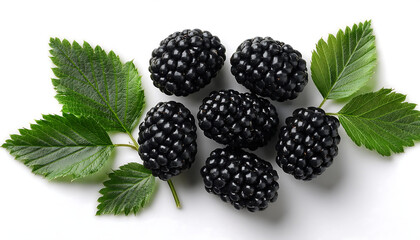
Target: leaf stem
171, 186
332, 114
322, 103
134, 140
126, 145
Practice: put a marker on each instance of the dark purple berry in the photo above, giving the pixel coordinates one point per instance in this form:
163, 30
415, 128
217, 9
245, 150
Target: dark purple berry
269, 68
308, 143
167, 139
186, 61
242, 120
241, 178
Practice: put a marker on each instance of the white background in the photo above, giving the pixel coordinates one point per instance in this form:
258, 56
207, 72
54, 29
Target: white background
361, 196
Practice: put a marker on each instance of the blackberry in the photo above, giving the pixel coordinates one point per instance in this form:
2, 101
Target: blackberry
269, 68
308, 143
241, 178
167, 139
186, 61
238, 119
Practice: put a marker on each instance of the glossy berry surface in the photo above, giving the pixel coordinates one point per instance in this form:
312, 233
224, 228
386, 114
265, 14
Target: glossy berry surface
241, 178
308, 143
269, 68
237, 119
167, 139
186, 61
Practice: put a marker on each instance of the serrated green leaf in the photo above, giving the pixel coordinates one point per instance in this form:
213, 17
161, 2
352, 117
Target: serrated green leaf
92, 83
127, 191
59, 146
344, 64
381, 121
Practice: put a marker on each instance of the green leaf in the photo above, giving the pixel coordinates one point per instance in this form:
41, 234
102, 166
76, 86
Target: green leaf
381, 121
59, 146
92, 83
128, 189
344, 64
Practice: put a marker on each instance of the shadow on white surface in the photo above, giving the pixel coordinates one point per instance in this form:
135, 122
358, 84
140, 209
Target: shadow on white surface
275, 213
331, 178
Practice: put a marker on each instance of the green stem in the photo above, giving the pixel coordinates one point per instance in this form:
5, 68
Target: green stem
134, 141
171, 186
334, 114
322, 103
126, 145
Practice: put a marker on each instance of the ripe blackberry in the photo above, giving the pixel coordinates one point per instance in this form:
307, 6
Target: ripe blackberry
238, 119
186, 61
167, 139
241, 178
308, 143
269, 68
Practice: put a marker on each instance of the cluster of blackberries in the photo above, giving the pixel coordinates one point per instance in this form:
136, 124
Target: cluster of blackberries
187, 61
239, 120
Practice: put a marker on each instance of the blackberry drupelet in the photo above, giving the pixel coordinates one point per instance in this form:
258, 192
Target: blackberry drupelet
186, 61
241, 178
167, 139
269, 68
238, 119
308, 143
